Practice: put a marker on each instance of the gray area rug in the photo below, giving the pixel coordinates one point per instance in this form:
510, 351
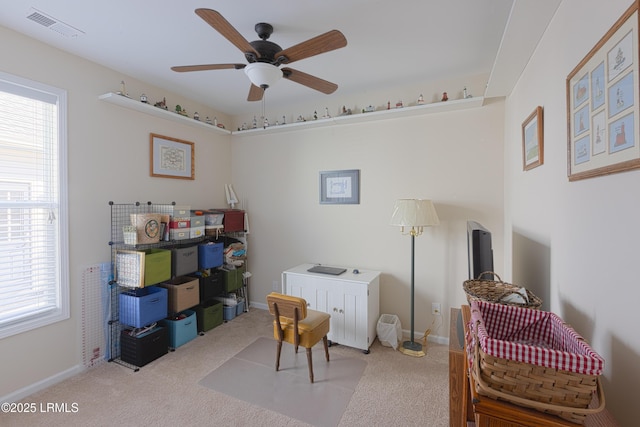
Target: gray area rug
250, 376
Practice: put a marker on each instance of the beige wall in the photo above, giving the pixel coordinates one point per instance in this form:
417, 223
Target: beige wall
580, 238
453, 158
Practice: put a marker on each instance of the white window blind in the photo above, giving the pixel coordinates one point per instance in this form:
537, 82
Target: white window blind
33, 218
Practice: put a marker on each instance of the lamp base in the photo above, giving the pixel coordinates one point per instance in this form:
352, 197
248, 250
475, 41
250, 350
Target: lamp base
412, 348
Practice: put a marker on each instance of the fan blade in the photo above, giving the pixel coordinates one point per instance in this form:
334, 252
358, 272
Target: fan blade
309, 80
255, 93
326, 42
204, 67
227, 30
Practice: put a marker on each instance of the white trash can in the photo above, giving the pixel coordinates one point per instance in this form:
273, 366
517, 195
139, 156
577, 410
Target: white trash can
389, 330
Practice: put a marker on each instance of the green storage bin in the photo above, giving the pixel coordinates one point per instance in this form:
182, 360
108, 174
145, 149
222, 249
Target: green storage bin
209, 315
157, 266
233, 279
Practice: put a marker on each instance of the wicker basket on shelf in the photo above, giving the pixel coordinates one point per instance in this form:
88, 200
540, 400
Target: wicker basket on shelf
533, 359
498, 292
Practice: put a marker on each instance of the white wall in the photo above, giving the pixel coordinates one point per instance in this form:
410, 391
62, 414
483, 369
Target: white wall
108, 161
583, 235
453, 158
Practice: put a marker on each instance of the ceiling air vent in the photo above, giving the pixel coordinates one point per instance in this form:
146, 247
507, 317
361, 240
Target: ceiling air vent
53, 24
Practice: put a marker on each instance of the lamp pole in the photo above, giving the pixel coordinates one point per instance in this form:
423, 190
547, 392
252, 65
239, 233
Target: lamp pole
412, 345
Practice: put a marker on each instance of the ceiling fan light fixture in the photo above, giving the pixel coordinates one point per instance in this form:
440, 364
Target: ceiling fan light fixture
263, 74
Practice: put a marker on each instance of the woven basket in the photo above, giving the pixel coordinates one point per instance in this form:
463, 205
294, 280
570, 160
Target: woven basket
568, 399
544, 384
497, 291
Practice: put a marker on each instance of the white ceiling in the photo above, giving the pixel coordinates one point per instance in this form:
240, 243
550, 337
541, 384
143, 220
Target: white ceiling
390, 43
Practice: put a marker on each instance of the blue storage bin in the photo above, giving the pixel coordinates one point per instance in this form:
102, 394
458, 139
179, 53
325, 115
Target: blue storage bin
182, 331
240, 307
143, 306
210, 255
229, 312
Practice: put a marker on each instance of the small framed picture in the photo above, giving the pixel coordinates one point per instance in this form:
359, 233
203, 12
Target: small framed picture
340, 187
171, 157
533, 140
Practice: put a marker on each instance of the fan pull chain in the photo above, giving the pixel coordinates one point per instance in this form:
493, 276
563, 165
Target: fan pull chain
264, 118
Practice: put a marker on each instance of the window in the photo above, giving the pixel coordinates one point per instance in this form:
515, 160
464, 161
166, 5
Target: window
34, 285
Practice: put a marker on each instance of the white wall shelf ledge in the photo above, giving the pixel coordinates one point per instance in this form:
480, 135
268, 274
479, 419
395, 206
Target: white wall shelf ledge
416, 110
123, 101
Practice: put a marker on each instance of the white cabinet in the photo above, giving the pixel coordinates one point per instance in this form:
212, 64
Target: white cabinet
352, 300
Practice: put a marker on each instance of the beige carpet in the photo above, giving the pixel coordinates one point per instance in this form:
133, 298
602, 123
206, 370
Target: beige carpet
394, 389
250, 376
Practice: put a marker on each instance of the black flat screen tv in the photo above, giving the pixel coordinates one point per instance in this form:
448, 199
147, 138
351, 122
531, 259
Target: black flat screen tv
480, 250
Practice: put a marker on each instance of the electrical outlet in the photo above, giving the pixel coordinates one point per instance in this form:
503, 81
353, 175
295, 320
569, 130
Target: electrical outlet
435, 309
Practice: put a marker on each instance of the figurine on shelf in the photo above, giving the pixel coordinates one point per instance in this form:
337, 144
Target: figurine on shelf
399, 104
315, 115
209, 122
244, 126
254, 125
388, 105
444, 96
420, 100
123, 90
301, 119
284, 121
161, 104
215, 120
143, 98
265, 122
196, 116
181, 111
345, 111
465, 94
326, 113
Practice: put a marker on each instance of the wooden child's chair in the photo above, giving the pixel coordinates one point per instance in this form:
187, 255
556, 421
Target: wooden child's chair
297, 325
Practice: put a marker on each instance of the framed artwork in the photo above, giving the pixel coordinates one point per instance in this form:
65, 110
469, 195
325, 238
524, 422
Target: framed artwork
340, 187
603, 105
171, 157
533, 140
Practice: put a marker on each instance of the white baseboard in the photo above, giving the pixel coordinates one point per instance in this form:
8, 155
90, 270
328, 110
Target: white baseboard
41, 385
260, 305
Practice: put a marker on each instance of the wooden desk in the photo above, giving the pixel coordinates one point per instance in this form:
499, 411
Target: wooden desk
487, 412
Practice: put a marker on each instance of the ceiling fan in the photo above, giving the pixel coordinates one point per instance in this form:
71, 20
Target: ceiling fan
265, 57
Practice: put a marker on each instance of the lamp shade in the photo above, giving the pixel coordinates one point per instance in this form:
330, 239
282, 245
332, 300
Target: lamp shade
414, 213
263, 74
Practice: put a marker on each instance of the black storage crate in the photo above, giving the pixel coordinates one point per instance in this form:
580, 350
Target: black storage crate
145, 348
211, 286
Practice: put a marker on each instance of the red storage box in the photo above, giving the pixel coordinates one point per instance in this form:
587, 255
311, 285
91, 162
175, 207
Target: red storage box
233, 219
534, 359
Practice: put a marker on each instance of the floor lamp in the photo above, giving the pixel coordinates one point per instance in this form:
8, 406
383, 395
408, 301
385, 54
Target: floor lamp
417, 214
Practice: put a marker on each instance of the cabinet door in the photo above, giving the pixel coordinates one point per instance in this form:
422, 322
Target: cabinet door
302, 287
351, 319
